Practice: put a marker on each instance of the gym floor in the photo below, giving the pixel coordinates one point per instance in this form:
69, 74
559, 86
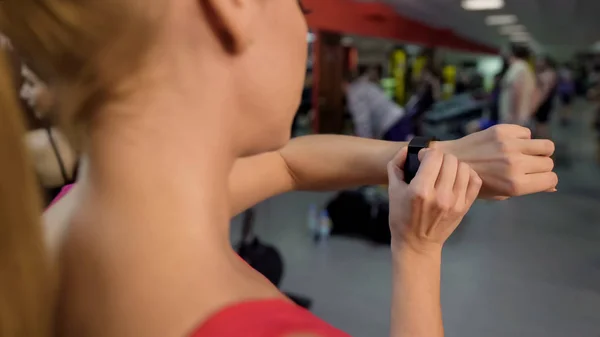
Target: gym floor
525, 267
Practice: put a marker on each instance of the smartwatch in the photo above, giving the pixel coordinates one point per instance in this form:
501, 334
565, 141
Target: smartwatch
412, 163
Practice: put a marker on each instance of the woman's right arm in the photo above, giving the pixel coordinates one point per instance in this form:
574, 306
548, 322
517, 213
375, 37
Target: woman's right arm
416, 309
422, 217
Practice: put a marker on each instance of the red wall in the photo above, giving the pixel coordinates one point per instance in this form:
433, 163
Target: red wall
380, 20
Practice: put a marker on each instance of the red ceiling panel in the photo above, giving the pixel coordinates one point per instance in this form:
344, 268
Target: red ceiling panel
379, 20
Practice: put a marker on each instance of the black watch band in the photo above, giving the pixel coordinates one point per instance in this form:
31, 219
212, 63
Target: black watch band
412, 163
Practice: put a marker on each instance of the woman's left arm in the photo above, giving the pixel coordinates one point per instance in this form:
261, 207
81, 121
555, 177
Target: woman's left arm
509, 162
310, 163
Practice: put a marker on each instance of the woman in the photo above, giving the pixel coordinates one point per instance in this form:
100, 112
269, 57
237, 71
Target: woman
547, 82
52, 156
54, 160
171, 155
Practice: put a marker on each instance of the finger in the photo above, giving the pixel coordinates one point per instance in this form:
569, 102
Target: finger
447, 176
400, 158
429, 169
462, 183
535, 183
537, 164
475, 183
396, 164
423, 152
537, 147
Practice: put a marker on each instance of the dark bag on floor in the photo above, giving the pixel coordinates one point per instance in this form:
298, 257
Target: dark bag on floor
350, 213
263, 258
353, 215
379, 230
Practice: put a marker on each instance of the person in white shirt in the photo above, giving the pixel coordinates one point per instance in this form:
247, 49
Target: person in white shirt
517, 98
373, 113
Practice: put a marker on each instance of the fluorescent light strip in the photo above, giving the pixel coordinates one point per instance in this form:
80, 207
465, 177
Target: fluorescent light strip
512, 29
520, 37
501, 20
522, 34
521, 40
481, 5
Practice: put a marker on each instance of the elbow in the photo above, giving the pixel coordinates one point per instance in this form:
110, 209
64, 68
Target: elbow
294, 181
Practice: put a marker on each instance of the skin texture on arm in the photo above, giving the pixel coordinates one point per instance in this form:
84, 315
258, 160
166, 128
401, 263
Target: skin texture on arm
416, 309
506, 158
423, 214
311, 163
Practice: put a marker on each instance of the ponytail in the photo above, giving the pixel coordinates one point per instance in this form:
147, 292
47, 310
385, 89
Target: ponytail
27, 284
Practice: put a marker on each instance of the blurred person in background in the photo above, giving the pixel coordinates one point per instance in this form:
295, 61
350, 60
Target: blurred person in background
494, 98
593, 95
463, 82
497, 93
373, 113
52, 156
156, 199
545, 96
428, 92
518, 87
566, 92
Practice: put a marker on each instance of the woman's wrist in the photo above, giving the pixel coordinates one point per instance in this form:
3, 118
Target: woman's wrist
402, 249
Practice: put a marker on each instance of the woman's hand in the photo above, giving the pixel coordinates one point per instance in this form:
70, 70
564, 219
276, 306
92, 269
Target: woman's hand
508, 161
422, 217
425, 213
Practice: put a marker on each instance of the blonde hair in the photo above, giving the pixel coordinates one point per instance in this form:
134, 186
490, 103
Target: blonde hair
26, 282
84, 50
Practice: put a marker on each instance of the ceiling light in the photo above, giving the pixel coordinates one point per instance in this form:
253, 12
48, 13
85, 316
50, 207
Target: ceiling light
480, 5
520, 37
501, 20
519, 34
512, 29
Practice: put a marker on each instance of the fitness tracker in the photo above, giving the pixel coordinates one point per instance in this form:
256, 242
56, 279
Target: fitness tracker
411, 165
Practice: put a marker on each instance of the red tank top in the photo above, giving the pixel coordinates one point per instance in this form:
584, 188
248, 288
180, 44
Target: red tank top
268, 318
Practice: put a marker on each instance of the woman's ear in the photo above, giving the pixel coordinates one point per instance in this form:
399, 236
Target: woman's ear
233, 21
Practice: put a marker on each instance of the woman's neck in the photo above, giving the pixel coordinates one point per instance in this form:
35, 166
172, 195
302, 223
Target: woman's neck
164, 158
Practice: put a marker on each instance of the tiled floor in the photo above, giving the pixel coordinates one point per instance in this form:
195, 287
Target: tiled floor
526, 267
